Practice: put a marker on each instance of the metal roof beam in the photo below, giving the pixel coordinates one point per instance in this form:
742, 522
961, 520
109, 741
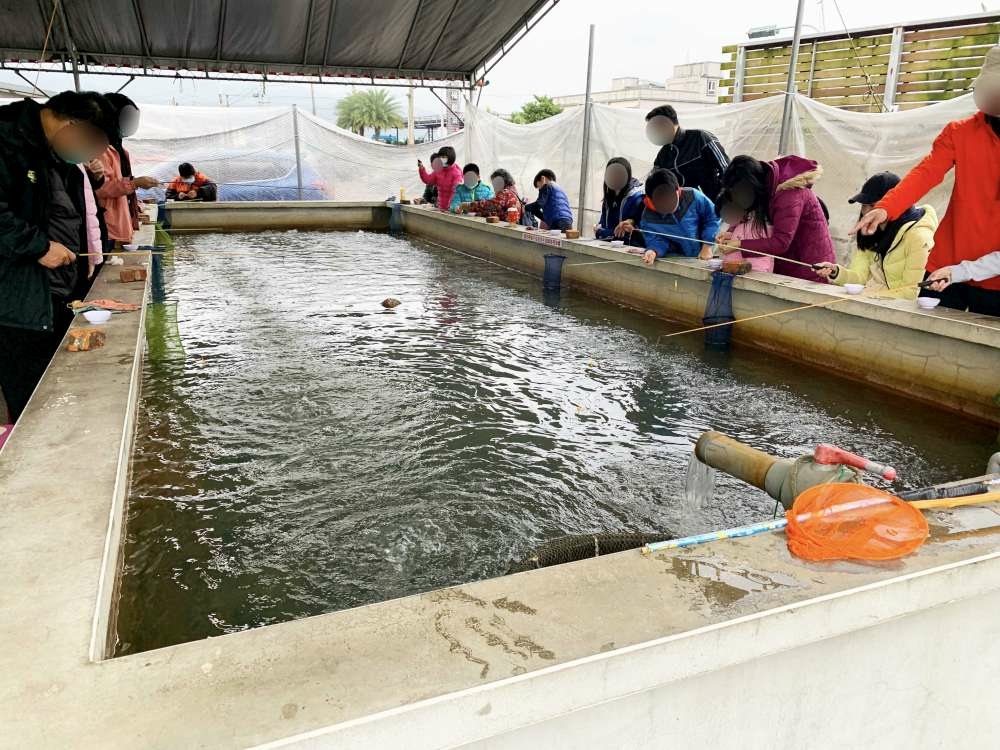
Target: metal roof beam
413, 25
444, 27
222, 31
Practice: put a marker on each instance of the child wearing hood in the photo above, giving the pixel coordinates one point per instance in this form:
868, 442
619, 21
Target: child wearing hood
781, 192
445, 175
622, 195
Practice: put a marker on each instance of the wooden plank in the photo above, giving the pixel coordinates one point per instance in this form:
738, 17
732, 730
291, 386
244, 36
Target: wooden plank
730, 49
823, 57
779, 82
727, 82
965, 63
963, 86
951, 31
874, 65
823, 70
725, 100
784, 53
860, 42
848, 91
950, 56
822, 75
957, 43
931, 96
752, 97
967, 74
729, 65
841, 101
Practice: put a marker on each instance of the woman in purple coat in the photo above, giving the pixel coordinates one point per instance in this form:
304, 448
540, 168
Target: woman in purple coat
780, 193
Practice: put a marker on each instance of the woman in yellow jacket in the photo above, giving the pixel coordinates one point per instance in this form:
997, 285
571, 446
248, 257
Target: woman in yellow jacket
890, 262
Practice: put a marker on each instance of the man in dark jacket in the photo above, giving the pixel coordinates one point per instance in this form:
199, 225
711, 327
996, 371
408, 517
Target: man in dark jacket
41, 205
695, 156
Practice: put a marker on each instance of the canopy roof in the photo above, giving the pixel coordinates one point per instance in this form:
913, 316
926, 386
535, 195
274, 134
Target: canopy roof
434, 40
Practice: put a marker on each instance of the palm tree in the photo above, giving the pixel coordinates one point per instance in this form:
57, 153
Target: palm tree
373, 108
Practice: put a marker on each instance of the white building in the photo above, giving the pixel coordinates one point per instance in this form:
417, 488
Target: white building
691, 83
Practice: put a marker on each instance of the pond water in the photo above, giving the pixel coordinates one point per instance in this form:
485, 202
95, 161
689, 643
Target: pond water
300, 449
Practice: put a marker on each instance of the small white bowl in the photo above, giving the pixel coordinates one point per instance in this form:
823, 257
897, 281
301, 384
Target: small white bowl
617, 243
715, 263
472, 213
854, 288
555, 232
97, 316
130, 247
928, 303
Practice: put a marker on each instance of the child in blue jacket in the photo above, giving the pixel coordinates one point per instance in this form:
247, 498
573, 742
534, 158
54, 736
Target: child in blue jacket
552, 203
470, 189
685, 214
622, 197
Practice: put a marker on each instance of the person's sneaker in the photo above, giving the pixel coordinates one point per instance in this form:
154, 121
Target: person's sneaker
5, 431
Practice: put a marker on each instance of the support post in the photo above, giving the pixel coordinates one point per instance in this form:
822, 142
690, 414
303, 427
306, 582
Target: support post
892, 74
585, 154
812, 70
409, 116
312, 96
298, 154
786, 118
741, 70
76, 71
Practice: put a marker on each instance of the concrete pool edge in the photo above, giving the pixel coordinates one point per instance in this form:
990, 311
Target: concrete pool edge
361, 677
242, 216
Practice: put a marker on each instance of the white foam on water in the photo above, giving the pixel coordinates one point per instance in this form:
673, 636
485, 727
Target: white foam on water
700, 485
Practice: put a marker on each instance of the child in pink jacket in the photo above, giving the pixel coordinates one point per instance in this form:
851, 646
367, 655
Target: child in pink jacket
445, 176
743, 227
93, 226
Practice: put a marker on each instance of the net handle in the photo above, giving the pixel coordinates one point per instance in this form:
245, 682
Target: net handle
954, 502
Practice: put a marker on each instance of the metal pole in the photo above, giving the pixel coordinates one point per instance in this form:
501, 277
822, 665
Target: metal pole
76, 71
298, 155
786, 118
409, 117
585, 154
741, 67
312, 95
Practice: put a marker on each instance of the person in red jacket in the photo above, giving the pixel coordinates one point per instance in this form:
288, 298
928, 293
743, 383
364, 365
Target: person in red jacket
505, 203
445, 176
969, 229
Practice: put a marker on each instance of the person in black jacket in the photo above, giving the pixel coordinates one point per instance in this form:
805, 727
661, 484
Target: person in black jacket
41, 205
695, 156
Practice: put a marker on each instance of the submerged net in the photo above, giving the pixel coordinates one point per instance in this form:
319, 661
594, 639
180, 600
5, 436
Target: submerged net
719, 309
853, 522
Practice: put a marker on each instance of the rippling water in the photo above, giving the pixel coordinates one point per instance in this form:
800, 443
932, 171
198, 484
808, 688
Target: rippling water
310, 451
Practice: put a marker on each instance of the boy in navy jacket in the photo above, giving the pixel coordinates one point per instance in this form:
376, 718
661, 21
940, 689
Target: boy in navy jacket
552, 203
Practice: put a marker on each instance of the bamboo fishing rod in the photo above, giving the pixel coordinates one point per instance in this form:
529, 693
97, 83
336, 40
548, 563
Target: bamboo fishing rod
827, 303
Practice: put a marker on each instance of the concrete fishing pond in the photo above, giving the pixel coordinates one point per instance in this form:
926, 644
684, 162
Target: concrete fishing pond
302, 448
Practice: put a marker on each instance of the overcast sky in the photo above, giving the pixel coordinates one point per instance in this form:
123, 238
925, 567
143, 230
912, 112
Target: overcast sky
644, 38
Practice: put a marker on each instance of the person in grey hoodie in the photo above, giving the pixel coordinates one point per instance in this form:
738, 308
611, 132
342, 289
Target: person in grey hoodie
983, 268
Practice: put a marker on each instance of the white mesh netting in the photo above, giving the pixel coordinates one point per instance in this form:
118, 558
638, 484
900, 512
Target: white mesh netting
251, 152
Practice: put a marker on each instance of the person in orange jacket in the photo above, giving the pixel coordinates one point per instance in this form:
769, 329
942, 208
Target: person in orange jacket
190, 184
969, 229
